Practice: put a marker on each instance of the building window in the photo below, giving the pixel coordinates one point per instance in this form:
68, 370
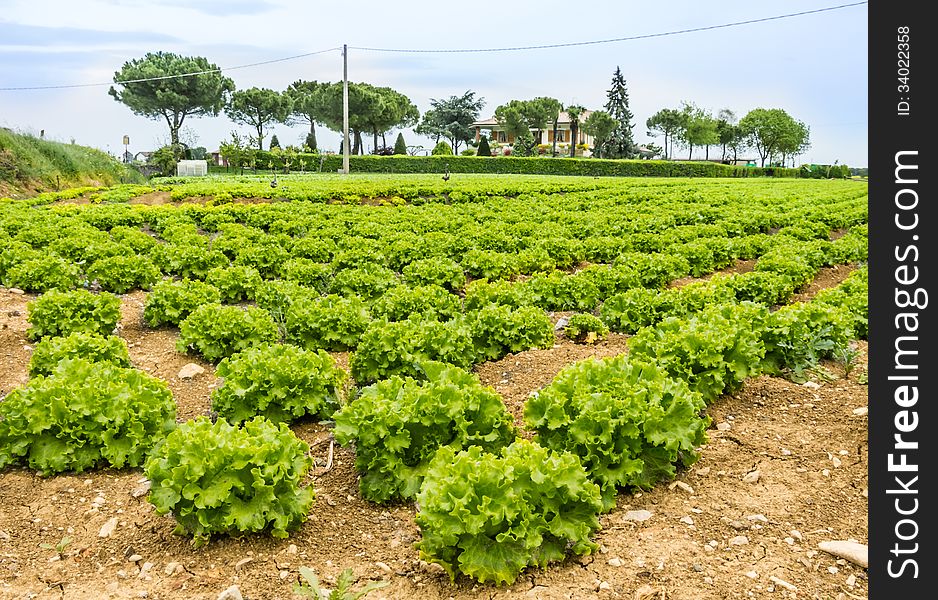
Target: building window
561, 135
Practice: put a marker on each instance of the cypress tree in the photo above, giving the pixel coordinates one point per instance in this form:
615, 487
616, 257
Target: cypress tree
484, 149
619, 144
400, 147
274, 142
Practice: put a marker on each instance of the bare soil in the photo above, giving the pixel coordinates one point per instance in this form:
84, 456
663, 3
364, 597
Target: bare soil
713, 537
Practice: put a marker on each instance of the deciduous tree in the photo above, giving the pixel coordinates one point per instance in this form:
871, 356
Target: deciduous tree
668, 122
451, 118
773, 131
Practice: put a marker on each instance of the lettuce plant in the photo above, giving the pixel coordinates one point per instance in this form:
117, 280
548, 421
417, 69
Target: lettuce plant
89, 346
170, 302
235, 283
120, 274
397, 424
216, 331
585, 328
57, 313
279, 382
498, 330
489, 516
629, 422
714, 351
428, 301
331, 322
217, 478
397, 348
82, 415
441, 271
43, 273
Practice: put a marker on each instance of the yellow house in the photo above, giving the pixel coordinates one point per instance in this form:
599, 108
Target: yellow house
496, 132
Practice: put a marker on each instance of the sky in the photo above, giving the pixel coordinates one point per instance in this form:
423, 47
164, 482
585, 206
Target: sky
813, 66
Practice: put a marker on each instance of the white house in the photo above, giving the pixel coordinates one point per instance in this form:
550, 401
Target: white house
496, 132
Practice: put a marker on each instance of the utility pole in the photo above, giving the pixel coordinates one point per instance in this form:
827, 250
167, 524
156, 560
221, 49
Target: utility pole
345, 140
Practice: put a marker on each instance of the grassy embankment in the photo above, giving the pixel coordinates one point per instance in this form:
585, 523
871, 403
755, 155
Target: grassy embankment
29, 165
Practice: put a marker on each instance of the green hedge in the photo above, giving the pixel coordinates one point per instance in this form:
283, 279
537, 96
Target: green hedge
592, 167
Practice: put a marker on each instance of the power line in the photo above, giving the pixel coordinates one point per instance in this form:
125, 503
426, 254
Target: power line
162, 77
610, 40
448, 51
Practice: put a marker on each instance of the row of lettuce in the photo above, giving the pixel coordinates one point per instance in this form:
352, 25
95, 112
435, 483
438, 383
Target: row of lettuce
421, 425
439, 437
417, 189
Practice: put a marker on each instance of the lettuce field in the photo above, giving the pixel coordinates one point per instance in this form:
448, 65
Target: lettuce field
496, 386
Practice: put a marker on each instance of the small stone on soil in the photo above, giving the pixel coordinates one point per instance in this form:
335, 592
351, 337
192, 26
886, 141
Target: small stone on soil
637, 515
739, 540
190, 371
752, 476
232, 593
108, 528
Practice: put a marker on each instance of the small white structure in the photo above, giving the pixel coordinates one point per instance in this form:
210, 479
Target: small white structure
192, 168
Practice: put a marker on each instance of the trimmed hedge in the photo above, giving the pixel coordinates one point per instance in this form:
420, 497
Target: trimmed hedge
592, 167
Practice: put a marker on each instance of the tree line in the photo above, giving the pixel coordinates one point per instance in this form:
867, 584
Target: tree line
153, 87
772, 133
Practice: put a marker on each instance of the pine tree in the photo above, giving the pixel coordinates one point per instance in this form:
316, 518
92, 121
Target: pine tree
400, 146
619, 144
274, 142
484, 149
524, 145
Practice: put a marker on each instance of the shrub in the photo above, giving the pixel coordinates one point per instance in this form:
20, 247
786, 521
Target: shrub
216, 331
484, 148
441, 271
120, 274
234, 283
220, 478
84, 414
331, 322
442, 148
388, 349
499, 330
489, 516
396, 426
585, 328
58, 313
400, 146
279, 382
88, 346
629, 423
171, 302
